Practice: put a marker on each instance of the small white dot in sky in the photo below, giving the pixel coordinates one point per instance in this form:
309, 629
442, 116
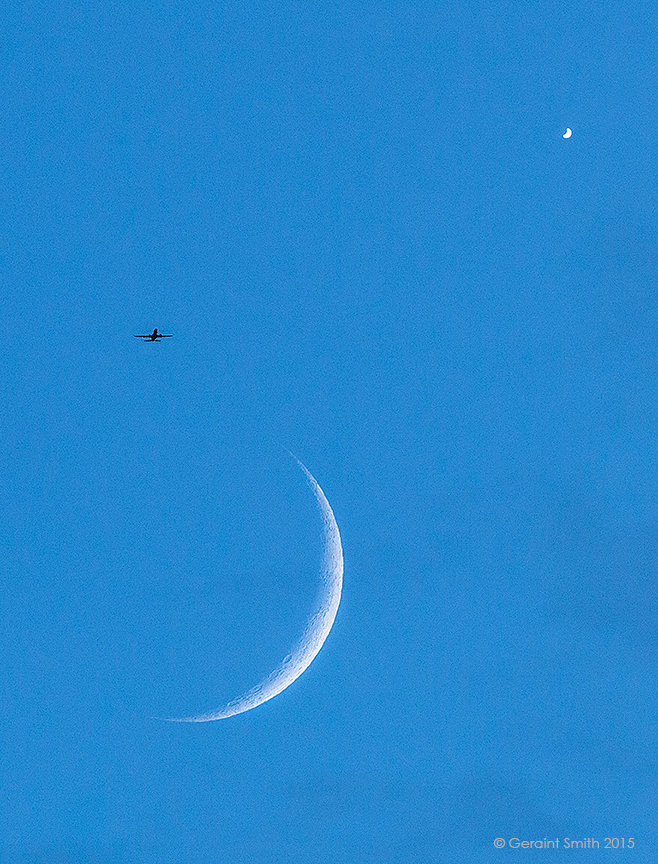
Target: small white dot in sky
567, 134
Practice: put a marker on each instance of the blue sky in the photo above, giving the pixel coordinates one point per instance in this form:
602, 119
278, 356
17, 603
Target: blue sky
374, 248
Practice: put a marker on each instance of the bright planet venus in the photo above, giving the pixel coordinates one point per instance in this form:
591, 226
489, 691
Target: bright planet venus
316, 631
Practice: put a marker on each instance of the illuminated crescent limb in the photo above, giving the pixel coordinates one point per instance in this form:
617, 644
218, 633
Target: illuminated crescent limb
315, 632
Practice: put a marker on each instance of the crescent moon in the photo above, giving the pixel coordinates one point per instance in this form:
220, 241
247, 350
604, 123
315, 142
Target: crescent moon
316, 631
567, 134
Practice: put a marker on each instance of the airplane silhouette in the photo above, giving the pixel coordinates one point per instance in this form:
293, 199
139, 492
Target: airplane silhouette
155, 336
